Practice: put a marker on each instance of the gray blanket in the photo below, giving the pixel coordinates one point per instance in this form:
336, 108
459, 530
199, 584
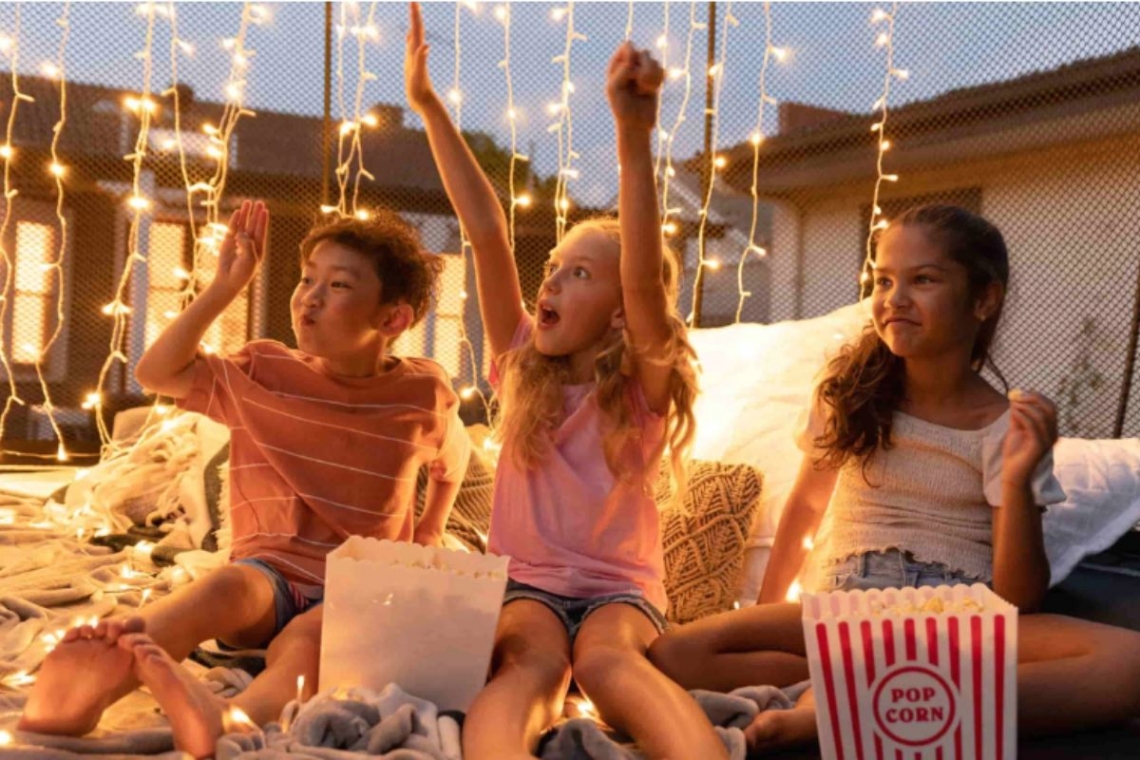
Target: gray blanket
394, 725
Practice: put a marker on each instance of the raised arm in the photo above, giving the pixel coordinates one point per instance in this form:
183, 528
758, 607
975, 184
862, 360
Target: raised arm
802, 515
1021, 567
167, 367
633, 86
471, 194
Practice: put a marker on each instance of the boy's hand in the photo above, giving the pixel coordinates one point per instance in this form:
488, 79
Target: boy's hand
633, 84
242, 248
417, 81
1032, 433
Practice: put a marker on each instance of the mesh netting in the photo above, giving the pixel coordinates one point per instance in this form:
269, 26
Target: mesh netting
1026, 113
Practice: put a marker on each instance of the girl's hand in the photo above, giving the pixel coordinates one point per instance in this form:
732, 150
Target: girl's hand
1032, 433
242, 248
633, 85
427, 537
417, 81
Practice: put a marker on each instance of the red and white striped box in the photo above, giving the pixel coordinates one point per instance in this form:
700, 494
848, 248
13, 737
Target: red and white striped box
913, 674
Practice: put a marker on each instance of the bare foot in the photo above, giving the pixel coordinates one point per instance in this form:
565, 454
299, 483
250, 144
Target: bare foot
196, 714
80, 678
782, 729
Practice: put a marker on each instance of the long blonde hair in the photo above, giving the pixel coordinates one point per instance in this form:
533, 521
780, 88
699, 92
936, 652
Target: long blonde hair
530, 393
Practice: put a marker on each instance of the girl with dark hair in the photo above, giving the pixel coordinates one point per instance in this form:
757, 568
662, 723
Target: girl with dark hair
929, 476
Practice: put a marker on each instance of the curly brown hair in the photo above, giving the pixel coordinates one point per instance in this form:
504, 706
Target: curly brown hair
407, 274
864, 384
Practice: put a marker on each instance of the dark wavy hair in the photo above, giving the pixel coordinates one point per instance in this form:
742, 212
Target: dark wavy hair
863, 385
406, 272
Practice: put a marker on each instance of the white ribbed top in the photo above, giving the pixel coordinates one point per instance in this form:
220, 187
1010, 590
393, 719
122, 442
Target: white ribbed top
932, 494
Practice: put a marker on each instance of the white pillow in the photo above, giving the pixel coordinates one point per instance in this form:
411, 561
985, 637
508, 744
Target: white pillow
1102, 488
758, 378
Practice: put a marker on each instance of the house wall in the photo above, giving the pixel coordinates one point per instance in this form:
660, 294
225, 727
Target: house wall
1053, 208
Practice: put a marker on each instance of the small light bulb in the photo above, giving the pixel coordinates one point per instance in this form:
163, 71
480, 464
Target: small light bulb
720, 162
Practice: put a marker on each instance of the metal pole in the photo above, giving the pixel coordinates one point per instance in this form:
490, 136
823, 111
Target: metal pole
326, 124
706, 165
1129, 362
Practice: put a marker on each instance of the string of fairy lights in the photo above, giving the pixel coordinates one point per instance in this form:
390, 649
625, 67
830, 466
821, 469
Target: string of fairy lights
716, 77
7, 152
564, 127
668, 226
878, 222
756, 139
204, 195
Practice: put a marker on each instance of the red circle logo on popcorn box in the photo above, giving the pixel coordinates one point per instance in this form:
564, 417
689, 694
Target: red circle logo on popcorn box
914, 705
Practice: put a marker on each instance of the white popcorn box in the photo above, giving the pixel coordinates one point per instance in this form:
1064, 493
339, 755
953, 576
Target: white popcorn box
417, 616
913, 674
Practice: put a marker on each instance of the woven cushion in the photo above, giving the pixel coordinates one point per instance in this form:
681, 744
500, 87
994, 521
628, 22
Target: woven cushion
705, 536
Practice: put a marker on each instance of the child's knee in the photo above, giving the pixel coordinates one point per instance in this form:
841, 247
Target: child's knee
519, 655
239, 585
598, 666
671, 654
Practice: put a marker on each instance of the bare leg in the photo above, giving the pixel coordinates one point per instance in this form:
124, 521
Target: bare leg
86, 672
530, 675
1073, 674
611, 668
756, 645
197, 715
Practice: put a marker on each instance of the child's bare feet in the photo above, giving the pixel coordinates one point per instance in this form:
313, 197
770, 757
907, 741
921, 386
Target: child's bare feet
80, 678
195, 713
774, 730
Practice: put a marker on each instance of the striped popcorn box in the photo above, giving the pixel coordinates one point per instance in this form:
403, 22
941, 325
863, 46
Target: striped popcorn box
913, 674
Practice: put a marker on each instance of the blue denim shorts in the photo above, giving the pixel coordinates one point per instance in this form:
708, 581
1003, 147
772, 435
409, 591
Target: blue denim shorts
889, 569
288, 601
573, 611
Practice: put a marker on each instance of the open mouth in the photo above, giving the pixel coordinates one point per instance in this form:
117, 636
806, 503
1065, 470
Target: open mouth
547, 317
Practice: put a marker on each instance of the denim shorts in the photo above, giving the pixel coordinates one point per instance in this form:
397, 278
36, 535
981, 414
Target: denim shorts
889, 569
288, 601
573, 611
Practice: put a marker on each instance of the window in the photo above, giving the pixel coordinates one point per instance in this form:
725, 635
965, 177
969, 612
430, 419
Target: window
30, 323
166, 276
443, 324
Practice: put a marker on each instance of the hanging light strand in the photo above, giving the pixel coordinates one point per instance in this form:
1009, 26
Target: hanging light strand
629, 21
56, 267
716, 76
356, 149
877, 220
757, 139
662, 135
512, 122
564, 127
7, 153
666, 212
137, 202
455, 96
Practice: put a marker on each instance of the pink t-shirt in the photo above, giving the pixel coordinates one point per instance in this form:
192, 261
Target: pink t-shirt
569, 526
315, 457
